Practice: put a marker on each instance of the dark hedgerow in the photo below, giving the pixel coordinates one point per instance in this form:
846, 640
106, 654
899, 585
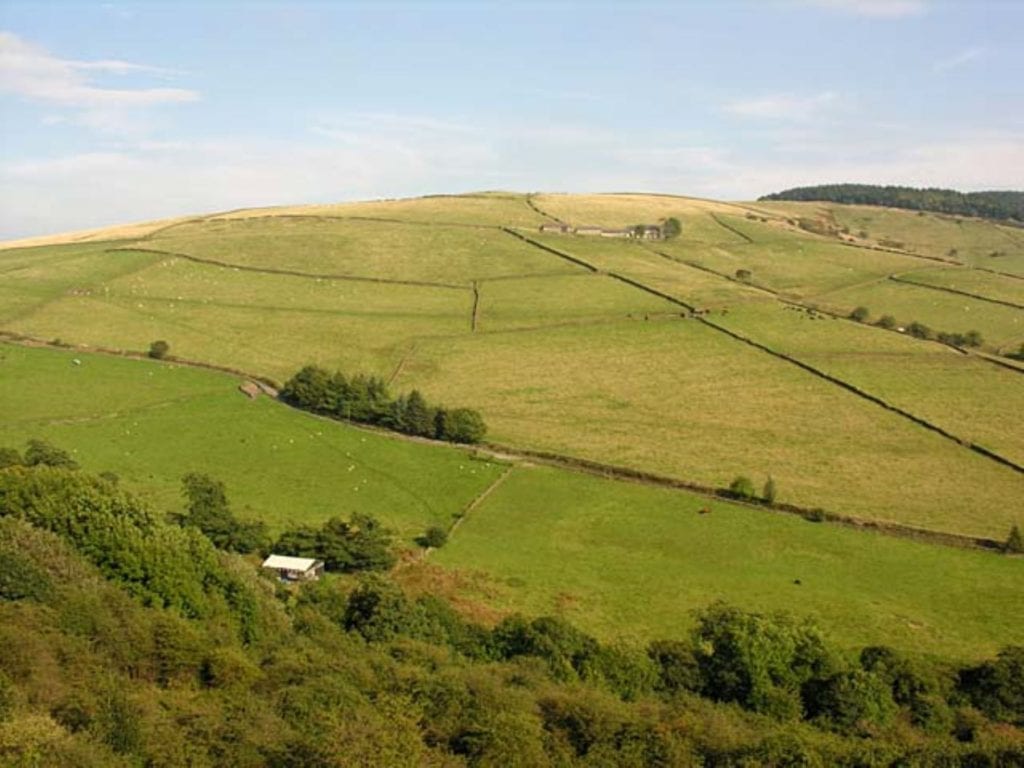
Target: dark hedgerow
366, 399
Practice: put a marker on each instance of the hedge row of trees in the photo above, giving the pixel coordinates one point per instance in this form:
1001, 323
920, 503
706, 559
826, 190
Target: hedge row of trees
1007, 205
920, 330
366, 399
356, 672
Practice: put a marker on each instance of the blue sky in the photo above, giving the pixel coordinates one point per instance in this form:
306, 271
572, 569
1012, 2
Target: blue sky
120, 111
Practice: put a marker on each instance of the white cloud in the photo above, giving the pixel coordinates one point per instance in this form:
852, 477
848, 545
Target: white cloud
881, 9
356, 159
785, 106
29, 71
960, 59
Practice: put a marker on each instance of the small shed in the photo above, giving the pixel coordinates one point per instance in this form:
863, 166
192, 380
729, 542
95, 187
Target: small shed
588, 230
295, 568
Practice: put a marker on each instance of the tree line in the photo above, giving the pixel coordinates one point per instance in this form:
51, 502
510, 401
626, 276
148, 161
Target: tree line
919, 330
1008, 205
366, 399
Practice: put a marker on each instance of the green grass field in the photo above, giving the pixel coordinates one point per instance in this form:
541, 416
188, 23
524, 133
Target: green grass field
1001, 327
559, 358
975, 242
150, 423
378, 249
679, 398
620, 559
494, 209
968, 397
625, 560
974, 281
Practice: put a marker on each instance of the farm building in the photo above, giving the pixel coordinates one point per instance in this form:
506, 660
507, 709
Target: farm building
647, 232
588, 230
616, 233
560, 229
295, 568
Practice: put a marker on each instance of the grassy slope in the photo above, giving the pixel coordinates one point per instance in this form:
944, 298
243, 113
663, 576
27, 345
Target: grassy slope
376, 249
681, 399
624, 559
966, 396
152, 422
1001, 327
663, 395
973, 281
621, 559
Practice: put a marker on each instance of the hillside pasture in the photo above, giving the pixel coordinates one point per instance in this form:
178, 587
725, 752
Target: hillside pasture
1001, 327
966, 396
628, 561
669, 273
268, 324
615, 211
362, 248
532, 302
795, 266
676, 397
984, 284
492, 209
151, 422
32, 278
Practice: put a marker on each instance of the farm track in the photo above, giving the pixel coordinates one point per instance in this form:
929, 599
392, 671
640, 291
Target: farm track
848, 387
898, 279
480, 499
291, 272
504, 453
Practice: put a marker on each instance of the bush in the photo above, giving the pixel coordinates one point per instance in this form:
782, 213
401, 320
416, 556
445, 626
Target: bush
158, 349
886, 321
920, 330
851, 700
860, 314
434, 538
743, 274
742, 488
41, 453
997, 687
770, 491
1014, 542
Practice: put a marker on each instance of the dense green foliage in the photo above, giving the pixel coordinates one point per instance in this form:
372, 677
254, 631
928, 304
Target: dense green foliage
158, 562
360, 544
366, 399
335, 673
992, 205
208, 510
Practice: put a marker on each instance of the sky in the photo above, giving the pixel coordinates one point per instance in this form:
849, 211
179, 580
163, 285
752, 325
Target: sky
113, 112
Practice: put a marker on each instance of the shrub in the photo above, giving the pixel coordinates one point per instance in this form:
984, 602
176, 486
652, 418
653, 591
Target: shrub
850, 700
886, 321
770, 491
742, 488
42, 453
860, 314
920, 330
997, 687
743, 274
158, 349
9, 457
434, 538
1014, 542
